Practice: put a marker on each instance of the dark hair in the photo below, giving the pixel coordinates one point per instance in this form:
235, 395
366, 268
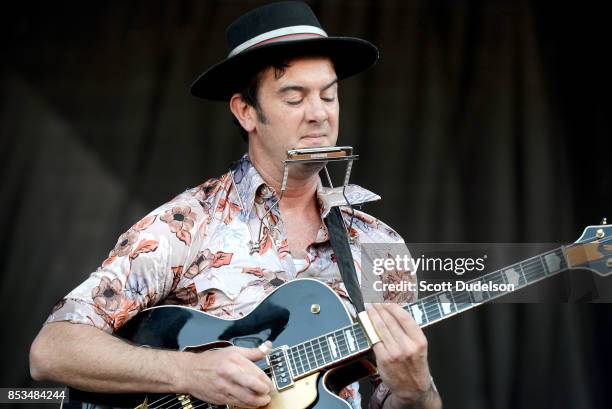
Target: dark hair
249, 93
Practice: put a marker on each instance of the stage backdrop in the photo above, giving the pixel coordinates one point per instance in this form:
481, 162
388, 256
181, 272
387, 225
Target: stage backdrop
483, 122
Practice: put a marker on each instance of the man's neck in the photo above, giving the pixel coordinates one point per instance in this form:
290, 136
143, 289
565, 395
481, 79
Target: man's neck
300, 193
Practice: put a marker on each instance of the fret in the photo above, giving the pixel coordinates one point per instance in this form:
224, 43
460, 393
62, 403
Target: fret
561, 255
472, 297
305, 357
320, 348
563, 262
416, 312
541, 259
479, 296
522, 275
446, 304
358, 337
361, 338
553, 262
424, 309
338, 353
326, 350
317, 351
496, 278
314, 354
352, 343
342, 344
537, 268
511, 276
331, 340
440, 307
292, 360
300, 360
527, 271
347, 341
312, 359
464, 300
532, 268
452, 297
432, 310
408, 308
503, 276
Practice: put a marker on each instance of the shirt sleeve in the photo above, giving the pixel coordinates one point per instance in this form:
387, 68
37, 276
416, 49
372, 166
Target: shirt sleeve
380, 394
142, 269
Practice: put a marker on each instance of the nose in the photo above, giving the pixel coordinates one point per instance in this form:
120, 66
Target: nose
315, 110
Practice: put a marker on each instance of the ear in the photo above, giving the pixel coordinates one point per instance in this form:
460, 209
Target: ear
244, 113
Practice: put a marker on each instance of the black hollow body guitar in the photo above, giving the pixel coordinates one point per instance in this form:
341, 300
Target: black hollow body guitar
318, 348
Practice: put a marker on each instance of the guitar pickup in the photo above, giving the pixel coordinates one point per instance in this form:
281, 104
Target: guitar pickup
280, 368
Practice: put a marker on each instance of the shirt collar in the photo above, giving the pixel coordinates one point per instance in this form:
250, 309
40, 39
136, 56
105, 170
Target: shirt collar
248, 182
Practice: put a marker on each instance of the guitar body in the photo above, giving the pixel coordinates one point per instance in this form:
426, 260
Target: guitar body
287, 316
306, 310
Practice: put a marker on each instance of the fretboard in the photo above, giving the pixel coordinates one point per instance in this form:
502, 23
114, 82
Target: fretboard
439, 306
327, 349
331, 348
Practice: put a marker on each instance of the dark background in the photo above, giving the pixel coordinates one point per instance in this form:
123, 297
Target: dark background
483, 121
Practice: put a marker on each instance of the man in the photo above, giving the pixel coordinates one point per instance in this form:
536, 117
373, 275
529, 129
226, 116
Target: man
281, 81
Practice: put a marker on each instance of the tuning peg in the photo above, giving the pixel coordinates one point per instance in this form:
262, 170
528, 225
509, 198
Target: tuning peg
604, 221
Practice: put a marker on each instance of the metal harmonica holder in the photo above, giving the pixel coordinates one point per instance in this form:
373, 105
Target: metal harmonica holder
313, 155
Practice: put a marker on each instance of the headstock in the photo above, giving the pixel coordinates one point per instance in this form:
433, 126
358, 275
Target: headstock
593, 250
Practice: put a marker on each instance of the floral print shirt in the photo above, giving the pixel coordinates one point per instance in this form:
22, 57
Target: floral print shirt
194, 251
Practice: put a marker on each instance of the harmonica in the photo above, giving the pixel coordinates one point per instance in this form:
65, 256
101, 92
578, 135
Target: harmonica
324, 154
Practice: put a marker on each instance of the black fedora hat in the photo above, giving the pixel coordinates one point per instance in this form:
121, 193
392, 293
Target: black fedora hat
283, 29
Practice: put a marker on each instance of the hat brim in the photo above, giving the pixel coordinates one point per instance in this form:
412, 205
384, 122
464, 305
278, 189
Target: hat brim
350, 56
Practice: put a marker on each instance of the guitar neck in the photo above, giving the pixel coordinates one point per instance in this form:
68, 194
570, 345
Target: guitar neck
334, 347
441, 305
327, 350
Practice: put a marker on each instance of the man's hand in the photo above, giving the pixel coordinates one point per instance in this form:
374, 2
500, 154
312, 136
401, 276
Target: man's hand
78, 355
402, 355
227, 376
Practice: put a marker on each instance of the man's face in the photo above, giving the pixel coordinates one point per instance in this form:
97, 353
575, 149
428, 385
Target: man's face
301, 107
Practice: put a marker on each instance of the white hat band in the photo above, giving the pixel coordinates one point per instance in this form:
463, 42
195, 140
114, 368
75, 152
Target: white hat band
280, 32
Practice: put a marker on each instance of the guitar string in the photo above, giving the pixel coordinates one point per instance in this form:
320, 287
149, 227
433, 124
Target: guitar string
531, 270
162, 406
530, 267
429, 301
310, 356
359, 337
431, 306
169, 397
344, 348
172, 397
526, 266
